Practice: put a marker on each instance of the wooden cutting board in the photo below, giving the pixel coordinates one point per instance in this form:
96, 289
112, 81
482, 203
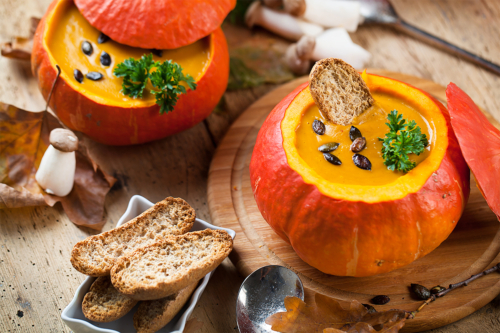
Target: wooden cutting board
472, 247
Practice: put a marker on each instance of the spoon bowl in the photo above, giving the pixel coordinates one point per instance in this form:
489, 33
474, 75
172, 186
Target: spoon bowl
262, 294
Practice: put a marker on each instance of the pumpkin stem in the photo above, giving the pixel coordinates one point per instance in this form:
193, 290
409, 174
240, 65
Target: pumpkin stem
53, 85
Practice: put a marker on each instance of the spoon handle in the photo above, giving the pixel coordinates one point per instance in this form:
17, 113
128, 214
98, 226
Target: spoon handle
445, 46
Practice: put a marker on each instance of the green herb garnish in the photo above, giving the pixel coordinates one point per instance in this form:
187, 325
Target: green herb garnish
403, 139
166, 78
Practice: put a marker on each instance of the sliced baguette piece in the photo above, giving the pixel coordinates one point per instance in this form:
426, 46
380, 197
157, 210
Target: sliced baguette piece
96, 254
151, 316
103, 303
164, 268
339, 91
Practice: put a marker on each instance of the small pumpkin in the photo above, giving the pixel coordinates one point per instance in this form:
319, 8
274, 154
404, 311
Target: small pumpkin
96, 107
358, 230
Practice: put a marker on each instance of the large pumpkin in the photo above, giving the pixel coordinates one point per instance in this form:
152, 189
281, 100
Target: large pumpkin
357, 230
100, 111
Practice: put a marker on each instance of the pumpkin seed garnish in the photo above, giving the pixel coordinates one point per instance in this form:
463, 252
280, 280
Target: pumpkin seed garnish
87, 48
421, 291
354, 133
358, 144
362, 162
332, 159
94, 76
370, 308
380, 300
78, 75
156, 52
102, 38
105, 59
437, 289
328, 147
318, 127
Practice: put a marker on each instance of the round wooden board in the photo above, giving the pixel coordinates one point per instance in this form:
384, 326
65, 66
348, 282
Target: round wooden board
472, 247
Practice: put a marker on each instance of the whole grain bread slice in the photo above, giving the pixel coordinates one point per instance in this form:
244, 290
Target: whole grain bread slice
164, 268
96, 254
339, 91
151, 316
103, 303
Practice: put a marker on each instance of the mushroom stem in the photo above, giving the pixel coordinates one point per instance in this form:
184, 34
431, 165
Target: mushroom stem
338, 13
280, 23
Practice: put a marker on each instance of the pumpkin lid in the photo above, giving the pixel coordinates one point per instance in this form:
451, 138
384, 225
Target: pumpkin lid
166, 24
479, 141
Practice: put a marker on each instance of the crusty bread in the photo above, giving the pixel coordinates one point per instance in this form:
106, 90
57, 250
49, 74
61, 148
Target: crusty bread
164, 268
96, 254
151, 316
339, 91
103, 303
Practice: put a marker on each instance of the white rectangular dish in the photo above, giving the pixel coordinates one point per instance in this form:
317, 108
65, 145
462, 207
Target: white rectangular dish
73, 316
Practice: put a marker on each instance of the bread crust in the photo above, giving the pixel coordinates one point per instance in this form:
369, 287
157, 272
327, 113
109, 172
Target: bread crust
339, 91
151, 316
103, 303
95, 255
166, 267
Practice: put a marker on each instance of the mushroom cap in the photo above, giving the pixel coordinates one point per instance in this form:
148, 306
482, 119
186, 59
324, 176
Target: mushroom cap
63, 140
252, 13
295, 7
305, 47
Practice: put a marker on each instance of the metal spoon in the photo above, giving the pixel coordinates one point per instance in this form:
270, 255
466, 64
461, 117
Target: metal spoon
382, 12
262, 294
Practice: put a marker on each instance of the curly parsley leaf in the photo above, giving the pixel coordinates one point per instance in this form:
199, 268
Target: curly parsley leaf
402, 139
135, 74
167, 79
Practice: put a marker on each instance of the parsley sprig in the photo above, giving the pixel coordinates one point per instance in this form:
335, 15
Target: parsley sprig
402, 139
166, 78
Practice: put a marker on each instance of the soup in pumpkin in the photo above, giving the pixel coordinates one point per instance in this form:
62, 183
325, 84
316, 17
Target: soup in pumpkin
66, 43
372, 125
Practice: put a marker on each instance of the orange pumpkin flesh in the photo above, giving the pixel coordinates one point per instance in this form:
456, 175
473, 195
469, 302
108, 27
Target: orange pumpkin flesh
357, 230
480, 143
166, 24
100, 115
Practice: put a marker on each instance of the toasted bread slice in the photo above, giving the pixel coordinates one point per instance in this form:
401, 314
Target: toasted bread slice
164, 268
151, 316
103, 303
96, 254
339, 91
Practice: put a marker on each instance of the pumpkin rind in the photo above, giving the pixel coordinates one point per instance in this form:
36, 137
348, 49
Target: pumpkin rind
119, 125
166, 24
354, 238
480, 143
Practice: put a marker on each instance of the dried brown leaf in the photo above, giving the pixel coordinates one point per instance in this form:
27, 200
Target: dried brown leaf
328, 316
24, 139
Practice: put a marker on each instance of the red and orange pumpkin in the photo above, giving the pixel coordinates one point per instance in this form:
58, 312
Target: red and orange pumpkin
186, 32
350, 229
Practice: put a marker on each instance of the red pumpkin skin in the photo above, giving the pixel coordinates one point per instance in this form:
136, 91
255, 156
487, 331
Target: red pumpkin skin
165, 24
322, 229
479, 141
115, 125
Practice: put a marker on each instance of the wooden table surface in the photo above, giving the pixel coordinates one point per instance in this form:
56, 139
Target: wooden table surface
36, 278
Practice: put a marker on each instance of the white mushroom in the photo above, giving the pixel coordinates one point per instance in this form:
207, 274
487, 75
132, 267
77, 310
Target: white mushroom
334, 13
56, 173
333, 43
280, 23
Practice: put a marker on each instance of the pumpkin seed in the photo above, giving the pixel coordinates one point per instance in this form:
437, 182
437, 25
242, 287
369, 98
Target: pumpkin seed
370, 308
380, 300
362, 162
87, 48
94, 76
437, 289
78, 75
328, 147
105, 59
354, 133
421, 291
156, 52
358, 144
102, 38
332, 159
318, 127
